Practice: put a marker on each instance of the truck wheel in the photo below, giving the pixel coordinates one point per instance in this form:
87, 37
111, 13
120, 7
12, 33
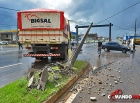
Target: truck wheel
66, 53
123, 51
30, 52
38, 58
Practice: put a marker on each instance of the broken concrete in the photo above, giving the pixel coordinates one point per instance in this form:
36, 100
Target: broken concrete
31, 82
43, 78
103, 94
100, 82
49, 69
116, 82
121, 81
30, 74
61, 66
93, 98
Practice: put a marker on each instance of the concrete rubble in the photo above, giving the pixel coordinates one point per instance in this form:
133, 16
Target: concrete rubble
103, 94
93, 98
39, 81
31, 82
42, 80
102, 80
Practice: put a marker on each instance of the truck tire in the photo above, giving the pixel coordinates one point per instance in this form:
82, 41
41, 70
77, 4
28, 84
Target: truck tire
30, 52
37, 58
66, 52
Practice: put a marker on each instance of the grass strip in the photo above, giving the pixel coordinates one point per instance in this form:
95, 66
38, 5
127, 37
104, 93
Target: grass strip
17, 92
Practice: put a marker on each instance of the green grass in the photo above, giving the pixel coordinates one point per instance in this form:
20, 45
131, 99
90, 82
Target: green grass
17, 92
10, 45
78, 65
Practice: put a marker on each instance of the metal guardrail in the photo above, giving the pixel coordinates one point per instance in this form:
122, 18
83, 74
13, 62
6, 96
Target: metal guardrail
77, 50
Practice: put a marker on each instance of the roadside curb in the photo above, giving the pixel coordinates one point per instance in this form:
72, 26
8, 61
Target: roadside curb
9, 46
57, 95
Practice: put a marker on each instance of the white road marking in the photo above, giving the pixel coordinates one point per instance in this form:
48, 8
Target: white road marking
10, 65
1, 47
71, 98
73, 95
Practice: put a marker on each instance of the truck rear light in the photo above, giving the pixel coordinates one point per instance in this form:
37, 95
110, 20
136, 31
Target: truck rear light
40, 39
28, 48
27, 39
54, 48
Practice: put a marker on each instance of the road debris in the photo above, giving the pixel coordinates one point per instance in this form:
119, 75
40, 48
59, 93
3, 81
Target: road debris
93, 98
103, 94
39, 78
116, 82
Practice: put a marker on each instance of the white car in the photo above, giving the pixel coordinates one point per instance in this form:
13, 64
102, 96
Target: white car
3, 42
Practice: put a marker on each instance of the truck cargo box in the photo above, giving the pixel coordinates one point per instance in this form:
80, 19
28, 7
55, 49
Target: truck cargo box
42, 37
41, 26
41, 19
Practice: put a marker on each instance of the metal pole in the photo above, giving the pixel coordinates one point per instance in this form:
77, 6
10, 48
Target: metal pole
17, 37
77, 33
96, 26
135, 30
109, 31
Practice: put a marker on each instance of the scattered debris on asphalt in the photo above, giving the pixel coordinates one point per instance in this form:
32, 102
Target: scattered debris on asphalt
93, 98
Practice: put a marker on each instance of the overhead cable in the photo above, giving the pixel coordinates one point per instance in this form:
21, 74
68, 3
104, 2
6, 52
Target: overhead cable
119, 12
9, 8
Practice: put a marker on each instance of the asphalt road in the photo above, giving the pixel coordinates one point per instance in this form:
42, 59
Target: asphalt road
110, 67
13, 65
113, 70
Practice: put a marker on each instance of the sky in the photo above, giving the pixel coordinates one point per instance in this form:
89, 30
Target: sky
123, 14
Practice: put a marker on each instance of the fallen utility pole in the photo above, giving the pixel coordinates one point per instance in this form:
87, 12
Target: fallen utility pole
71, 61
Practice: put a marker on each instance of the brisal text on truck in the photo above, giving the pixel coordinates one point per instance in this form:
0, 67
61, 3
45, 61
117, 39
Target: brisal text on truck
45, 32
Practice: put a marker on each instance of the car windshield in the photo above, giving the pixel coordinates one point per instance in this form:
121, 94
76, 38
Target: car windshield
113, 43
